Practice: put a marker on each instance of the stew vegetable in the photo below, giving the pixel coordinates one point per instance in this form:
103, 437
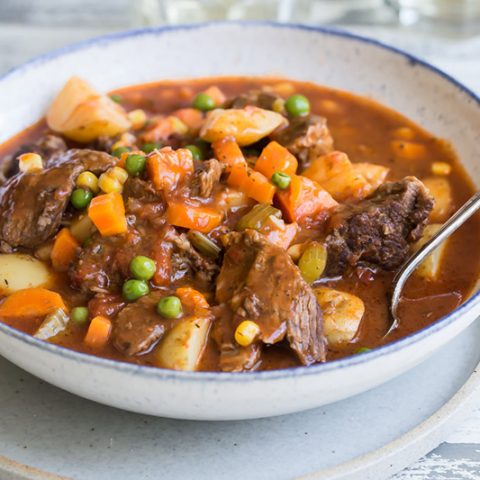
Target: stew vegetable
228, 224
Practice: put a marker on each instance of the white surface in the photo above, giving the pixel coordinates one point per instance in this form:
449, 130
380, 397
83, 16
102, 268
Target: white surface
64, 434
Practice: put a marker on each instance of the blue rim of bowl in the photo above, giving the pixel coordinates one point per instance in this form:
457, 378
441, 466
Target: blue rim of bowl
161, 373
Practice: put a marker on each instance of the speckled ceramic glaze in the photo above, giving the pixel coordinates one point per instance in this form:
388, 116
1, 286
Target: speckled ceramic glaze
336, 59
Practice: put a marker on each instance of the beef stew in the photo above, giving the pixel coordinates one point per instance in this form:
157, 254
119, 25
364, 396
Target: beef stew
226, 224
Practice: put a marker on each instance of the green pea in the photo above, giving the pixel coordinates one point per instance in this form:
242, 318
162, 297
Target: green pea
134, 289
203, 102
142, 268
297, 105
135, 164
363, 350
281, 180
196, 152
116, 98
79, 315
118, 151
169, 307
81, 198
150, 147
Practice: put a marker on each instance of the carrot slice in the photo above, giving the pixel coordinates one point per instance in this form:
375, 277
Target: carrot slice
107, 212
228, 152
276, 158
98, 332
64, 250
167, 167
252, 183
198, 218
304, 202
191, 297
31, 302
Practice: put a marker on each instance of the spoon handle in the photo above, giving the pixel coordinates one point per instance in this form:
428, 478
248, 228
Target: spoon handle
454, 222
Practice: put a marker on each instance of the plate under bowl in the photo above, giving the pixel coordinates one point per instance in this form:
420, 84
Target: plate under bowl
333, 58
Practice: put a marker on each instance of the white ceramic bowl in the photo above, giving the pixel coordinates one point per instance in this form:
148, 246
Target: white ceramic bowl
341, 60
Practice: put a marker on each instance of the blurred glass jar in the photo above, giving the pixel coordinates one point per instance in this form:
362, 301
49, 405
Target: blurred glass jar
306, 11
454, 14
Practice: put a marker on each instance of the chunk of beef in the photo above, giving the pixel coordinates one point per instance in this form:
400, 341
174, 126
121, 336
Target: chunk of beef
258, 98
138, 327
47, 146
378, 231
307, 137
206, 176
185, 260
143, 200
32, 204
260, 282
103, 264
233, 357
105, 305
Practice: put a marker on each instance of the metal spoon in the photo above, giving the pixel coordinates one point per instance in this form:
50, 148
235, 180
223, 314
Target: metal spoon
401, 277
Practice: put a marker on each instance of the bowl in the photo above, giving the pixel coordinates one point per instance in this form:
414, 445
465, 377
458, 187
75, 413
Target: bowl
338, 59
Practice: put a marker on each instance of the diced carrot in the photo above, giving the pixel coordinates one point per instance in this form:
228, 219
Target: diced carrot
31, 302
192, 298
191, 117
305, 201
162, 255
107, 212
228, 152
276, 158
408, 150
64, 250
167, 167
217, 95
253, 183
98, 332
198, 217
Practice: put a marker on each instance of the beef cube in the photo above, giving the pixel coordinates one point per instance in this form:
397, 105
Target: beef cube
378, 231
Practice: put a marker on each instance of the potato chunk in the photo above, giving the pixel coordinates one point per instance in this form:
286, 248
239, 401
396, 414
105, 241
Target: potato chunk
182, 347
81, 113
247, 125
441, 191
342, 314
374, 174
430, 267
19, 271
336, 174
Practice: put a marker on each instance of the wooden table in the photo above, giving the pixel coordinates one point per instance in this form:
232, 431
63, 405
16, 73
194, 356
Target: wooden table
458, 458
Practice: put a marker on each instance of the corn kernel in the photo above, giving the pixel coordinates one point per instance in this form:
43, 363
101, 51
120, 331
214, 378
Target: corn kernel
88, 180
109, 184
246, 333
138, 118
119, 174
278, 105
30, 162
441, 168
178, 126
